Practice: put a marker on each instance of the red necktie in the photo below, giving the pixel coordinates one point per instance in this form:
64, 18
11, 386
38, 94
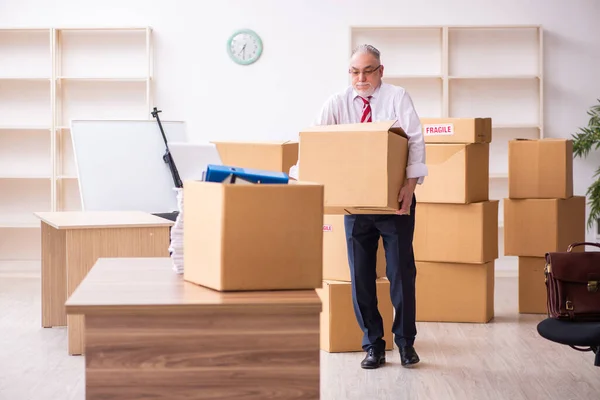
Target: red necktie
366, 115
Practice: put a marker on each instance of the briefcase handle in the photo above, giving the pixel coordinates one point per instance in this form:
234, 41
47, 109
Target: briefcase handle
572, 245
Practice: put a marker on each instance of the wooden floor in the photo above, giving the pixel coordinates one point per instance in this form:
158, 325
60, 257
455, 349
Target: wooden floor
505, 359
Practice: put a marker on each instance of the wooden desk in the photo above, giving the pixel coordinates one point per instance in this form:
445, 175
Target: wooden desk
150, 334
71, 244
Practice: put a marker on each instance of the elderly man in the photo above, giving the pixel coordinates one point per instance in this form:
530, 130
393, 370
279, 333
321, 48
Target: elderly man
369, 99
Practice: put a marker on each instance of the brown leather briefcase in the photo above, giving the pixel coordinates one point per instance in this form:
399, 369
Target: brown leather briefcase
573, 284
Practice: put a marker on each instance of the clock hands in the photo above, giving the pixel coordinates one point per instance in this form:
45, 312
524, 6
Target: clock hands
243, 51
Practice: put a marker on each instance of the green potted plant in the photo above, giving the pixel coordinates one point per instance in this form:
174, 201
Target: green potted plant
584, 141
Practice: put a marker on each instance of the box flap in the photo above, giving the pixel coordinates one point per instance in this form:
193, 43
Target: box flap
398, 131
379, 126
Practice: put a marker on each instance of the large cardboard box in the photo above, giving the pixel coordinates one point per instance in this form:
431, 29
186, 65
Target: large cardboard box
458, 173
540, 169
253, 237
278, 156
339, 329
362, 166
457, 130
460, 233
335, 251
532, 285
454, 292
533, 227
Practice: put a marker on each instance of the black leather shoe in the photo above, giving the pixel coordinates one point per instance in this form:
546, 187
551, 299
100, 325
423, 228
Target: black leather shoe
408, 356
374, 359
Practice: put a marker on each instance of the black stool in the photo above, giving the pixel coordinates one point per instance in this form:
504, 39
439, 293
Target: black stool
582, 336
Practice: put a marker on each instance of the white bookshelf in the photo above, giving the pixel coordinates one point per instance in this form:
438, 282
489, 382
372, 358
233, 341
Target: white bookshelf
48, 77
469, 71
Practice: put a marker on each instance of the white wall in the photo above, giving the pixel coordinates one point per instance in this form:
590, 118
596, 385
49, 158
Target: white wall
302, 65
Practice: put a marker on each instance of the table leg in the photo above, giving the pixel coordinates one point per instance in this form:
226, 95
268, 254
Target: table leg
54, 276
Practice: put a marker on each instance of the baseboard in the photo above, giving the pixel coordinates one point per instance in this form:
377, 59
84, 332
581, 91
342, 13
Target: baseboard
507, 267
31, 268
506, 273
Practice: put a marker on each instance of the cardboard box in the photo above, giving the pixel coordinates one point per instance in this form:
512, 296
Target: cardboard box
452, 292
532, 285
540, 169
458, 173
339, 329
362, 166
335, 251
278, 156
253, 237
533, 227
460, 233
457, 130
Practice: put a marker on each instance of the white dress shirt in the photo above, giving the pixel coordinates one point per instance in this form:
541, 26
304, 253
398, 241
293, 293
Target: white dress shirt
388, 102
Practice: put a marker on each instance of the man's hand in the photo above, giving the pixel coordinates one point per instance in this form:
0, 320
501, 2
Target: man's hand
406, 195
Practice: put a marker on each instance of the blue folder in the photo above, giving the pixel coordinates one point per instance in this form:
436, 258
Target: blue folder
218, 173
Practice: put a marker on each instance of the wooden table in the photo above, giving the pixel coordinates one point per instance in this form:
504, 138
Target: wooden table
150, 334
71, 244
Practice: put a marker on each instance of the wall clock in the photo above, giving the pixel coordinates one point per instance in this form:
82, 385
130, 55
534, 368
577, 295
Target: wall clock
244, 47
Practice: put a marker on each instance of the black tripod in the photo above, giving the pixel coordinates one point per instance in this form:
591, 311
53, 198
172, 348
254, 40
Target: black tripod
168, 159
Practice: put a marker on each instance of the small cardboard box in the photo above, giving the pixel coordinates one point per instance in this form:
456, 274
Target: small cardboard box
533, 227
253, 237
532, 285
278, 156
454, 292
340, 331
458, 173
362, 166
540, 169
457, 130
336, 266
460, 233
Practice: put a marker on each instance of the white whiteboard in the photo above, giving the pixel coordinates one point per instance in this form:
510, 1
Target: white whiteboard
120, 165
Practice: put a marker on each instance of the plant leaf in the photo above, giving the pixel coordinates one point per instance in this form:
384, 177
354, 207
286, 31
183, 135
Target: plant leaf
588, 138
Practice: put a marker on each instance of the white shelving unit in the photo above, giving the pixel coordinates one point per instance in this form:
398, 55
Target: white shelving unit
469, 71
49, 76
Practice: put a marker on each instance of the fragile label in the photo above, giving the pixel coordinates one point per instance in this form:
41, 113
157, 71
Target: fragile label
327, 228
438, 129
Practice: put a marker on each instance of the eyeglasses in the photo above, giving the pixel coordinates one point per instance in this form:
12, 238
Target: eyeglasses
366, 72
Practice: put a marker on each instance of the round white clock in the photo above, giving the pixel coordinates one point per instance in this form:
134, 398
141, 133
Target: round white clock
244, 47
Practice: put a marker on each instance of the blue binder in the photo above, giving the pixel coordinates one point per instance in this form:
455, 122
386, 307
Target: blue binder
218, 173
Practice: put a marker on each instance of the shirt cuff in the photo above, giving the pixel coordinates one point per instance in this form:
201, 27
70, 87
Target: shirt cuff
418, 170
294, 170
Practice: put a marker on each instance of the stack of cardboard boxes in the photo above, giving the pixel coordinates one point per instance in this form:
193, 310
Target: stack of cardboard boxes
456, 232
264, 239
360, 165
540, 214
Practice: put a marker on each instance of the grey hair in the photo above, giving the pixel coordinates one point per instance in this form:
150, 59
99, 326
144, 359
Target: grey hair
367, 48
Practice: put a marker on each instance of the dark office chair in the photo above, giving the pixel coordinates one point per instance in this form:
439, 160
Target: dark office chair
582, 336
